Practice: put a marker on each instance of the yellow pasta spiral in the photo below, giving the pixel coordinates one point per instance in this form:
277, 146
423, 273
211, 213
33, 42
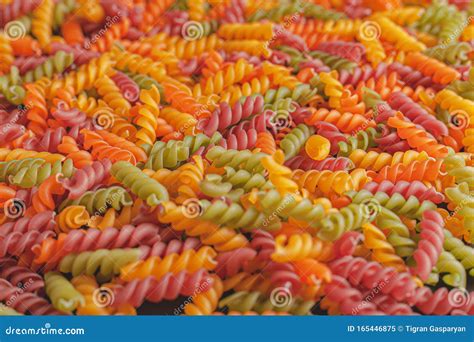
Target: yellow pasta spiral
42, 23
376, 161
206, 303
332, 88
181, 122
252, 47
396, 35
257, 85
112, 95
190, 260
299, 247
139, 65
256, 31
382, 251
147, 116
19, 153
247, 282
280, 75
279, 175
221, 238
72, 217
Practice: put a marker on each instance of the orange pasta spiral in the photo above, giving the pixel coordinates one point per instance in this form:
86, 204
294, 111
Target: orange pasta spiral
80, 158
431, 67
257, 31
266, 143
37, 112
206, 303
347, 122
244, 281
301, 246
376, 161
42, 22
72, 217
382, 251
114, 32
190, 260
427, 170
6, 54
43, 199
416, 137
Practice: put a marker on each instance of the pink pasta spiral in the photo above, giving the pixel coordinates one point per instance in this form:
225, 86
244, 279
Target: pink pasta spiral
390, 142
25, 64
330, 163
332, 133
370, 274
68, 117
240, 139
15, 9
81, 56
359, 75
283, 275
232, 262
87, 178
169, 287
127, 86
163, 249
347, 244
225, 116
25, 302
406, 189
20, 276
430, 245
349, 299
443, 302
410, 76
347, 50
417, 114
40, 222
17, 243
264, 243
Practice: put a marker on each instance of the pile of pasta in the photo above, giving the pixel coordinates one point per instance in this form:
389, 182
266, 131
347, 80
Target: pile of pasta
236, 157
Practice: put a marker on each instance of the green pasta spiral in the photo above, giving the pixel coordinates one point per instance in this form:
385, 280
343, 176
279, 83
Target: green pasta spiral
244, 160
334, 62
452, 53
348, 218
97, 202
30, 172
461, 196
294, 141
362, 140
455, 273
102, 263
411, 207
61, 11
53, 65
399, 236
288, 205
62, 293
461, 251
233, 215
244, 301
301, 94
456, 167
173, 153
146, 188
10, 86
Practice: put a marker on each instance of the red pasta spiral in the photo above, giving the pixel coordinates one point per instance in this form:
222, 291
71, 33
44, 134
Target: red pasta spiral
430, 245
25, 302
17, 243
390, 142
370, 274
163, 249
87, 178
240, 139
410, 76
330, 163
347, 50
283, 275
40, 222
127, 86
232, 262
440, 302
169, 287
362, 74
76, 241
20, 276
226, 116
414, 112
406, 189
264, 243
